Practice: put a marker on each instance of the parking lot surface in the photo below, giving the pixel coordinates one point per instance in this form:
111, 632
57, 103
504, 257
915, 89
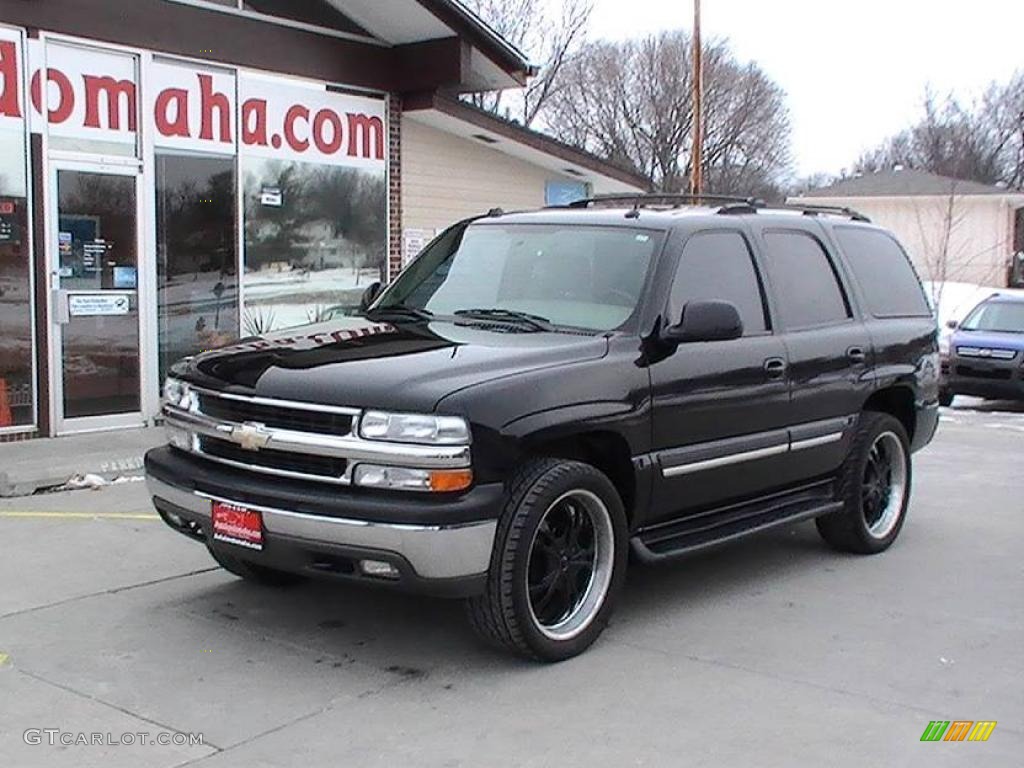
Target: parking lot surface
772, 652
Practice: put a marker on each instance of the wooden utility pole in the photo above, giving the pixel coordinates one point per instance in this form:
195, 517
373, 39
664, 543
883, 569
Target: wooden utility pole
697, 150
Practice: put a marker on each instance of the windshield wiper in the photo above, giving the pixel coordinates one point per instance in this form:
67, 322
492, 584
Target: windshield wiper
402, 310
536, 322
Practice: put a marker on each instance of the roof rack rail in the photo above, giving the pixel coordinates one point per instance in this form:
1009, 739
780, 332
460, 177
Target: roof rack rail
645, 199
835, 210
806, 210
729, 204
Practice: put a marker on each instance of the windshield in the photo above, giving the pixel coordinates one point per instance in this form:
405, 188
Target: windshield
1000, 316
580, 277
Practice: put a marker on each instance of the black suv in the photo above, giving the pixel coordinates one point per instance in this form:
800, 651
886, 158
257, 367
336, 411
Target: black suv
538, 394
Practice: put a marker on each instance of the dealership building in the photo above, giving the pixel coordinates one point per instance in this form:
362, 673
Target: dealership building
176, 174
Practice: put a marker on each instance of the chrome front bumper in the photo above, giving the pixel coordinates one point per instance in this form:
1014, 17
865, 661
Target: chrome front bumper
434, 552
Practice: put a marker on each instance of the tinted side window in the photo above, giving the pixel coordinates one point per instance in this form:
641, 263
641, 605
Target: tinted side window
891, 287
718, 266
805, 281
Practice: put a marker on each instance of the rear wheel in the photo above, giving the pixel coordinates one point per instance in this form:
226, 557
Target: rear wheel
874, 488
558, 563
258, 574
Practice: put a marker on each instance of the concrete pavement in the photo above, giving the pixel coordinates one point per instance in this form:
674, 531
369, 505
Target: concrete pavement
32, 465
771, 652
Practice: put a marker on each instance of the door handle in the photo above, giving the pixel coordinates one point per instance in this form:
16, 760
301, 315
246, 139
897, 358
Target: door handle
61, 312
856, 355
775, 367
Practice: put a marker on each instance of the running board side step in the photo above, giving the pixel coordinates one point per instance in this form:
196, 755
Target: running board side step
717, 526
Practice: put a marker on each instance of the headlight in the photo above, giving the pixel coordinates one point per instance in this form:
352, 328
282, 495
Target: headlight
414, 428
174, 392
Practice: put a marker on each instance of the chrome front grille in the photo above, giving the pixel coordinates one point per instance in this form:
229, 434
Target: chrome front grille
292, 439
294, 464
238, 410
985, 352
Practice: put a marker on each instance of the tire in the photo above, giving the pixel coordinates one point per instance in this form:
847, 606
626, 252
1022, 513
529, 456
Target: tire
874, 510
946, 398
257, 574
558, 562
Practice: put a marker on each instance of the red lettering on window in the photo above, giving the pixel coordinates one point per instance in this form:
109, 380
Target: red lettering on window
210, 101
115, 91
179, 126
67, 95
254, 135
365, 136
293, 114
9, 72
323, 117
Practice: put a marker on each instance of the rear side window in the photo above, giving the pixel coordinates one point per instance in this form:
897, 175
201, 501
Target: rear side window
891, 287
718, 266
805, 281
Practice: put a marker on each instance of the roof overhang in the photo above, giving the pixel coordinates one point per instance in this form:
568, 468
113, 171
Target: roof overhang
487, 61
1009, 198
460, 119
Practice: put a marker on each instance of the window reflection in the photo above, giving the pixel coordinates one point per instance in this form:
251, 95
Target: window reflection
196, 255
16, 394
98, 267
315, 237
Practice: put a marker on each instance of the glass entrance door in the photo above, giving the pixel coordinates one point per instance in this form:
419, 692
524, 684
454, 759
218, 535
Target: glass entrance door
95, 273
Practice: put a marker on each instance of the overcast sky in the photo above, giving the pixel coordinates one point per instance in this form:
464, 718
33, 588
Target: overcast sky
854, 71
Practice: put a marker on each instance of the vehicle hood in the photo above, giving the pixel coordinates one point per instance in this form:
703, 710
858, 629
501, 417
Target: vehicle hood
987, 339
399, 366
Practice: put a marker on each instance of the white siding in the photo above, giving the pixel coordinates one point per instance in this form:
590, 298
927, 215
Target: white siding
974, 233
446, 178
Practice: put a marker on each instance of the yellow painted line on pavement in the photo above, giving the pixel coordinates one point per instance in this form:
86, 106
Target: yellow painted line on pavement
80, 515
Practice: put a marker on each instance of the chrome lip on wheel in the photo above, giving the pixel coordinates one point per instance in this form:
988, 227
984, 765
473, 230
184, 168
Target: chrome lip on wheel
884, 486
570, 567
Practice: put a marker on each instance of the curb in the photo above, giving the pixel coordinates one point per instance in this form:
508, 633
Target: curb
13, 487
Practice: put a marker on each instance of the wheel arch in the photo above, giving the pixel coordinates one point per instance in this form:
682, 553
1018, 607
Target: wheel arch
603, 449
899, 402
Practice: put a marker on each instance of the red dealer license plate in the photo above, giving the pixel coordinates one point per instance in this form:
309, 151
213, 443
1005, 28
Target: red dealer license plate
237, 525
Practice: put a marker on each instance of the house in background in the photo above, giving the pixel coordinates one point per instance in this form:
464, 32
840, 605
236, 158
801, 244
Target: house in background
460, 161
954, 230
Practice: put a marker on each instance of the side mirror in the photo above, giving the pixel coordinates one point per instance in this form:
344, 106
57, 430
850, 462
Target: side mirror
706, 321
952, 324
370, 295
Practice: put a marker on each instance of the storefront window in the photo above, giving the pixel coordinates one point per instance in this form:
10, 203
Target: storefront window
16, 390
197, 292
91, 100
314, 239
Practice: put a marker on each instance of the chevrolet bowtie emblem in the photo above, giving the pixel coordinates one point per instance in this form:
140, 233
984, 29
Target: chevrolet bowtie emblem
250, 436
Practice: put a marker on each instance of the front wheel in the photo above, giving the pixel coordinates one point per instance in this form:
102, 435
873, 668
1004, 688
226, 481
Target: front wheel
874, 486
558, 563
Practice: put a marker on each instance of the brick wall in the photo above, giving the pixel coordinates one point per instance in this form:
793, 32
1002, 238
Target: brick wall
395, 186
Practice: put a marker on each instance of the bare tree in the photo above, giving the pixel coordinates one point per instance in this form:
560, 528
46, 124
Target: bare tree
981, 142
947, 253
549, 34
632, 102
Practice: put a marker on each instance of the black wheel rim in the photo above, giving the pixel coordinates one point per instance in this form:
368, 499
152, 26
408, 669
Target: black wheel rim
570, 564
883, 486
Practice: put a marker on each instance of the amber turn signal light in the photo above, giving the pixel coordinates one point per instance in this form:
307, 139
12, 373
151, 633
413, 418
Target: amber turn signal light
443, 480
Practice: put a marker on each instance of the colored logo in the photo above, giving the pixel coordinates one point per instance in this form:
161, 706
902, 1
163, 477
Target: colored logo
958, 730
